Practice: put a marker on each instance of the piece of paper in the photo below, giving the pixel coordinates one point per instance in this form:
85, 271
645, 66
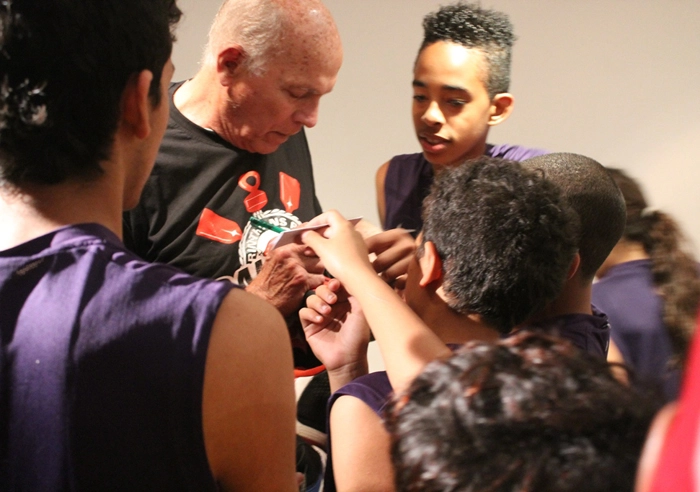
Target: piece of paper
290, 236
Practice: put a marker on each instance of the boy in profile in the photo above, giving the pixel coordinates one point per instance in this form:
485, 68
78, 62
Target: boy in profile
495, 248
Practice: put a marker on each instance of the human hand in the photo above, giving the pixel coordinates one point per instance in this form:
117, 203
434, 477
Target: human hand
337, 332
341, 249
394, 250
335, 326
287, 274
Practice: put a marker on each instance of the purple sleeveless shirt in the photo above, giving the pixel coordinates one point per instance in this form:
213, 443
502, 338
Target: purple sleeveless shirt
408, 181
102, 365
628, 296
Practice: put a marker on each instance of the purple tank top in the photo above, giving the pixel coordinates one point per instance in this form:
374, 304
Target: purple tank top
628, 296
589, 332
408, 181
102, 359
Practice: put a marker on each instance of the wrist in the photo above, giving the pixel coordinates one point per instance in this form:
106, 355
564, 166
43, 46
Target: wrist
340, 376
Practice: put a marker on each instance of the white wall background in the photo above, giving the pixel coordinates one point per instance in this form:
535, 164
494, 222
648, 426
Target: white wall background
616, 80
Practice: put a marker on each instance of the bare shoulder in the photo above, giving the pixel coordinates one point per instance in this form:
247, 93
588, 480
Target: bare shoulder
380, 176
248, 398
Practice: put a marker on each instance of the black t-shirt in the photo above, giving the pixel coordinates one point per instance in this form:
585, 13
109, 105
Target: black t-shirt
195, 208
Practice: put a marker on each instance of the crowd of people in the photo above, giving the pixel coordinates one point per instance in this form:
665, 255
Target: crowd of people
531, 312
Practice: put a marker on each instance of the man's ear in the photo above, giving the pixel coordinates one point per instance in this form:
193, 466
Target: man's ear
574, 266
430, 265
136, 104
228, 62
501, 107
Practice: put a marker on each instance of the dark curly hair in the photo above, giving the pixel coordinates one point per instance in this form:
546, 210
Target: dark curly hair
595, 198
674, 269
63, 68
476, 28
506, 238
530, 413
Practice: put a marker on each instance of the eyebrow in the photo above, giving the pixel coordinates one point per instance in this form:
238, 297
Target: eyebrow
418, 83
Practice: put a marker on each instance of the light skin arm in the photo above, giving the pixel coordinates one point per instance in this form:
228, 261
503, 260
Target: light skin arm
405, 342
248, 409
380, 179
360, 447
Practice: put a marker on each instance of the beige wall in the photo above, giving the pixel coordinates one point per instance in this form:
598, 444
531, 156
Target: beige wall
616, 80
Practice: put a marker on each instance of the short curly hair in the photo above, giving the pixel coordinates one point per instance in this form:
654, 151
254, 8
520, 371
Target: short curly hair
531, 412
64, 65
506, 238
476, 28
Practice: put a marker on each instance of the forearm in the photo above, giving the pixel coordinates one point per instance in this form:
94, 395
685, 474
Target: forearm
405, 342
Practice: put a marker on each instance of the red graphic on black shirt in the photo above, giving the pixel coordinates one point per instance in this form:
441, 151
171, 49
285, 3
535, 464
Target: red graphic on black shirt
290, 191
257, 198
218, 228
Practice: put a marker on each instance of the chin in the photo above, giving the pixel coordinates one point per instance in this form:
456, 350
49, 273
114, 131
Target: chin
263, 145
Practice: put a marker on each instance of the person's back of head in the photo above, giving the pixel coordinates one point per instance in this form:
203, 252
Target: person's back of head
505, 237
64, 66
474, 27
595, 198
529, 413
674, 269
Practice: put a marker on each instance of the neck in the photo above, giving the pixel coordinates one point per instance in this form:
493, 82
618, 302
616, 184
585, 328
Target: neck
35, 210
475, 152
453, 327
196, 100
623, 252
574, 298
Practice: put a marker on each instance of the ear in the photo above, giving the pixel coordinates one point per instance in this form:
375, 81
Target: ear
228, 62
136, 104
573, 268
501, 107
430, 265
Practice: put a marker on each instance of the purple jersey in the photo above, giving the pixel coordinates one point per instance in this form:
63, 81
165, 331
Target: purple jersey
628, 295
102, 359
590, 333
408, 180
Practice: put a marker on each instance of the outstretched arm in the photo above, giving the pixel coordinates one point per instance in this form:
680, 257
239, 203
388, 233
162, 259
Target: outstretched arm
406, 343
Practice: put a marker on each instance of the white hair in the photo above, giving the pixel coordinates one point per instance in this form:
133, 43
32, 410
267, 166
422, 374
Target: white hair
255, 25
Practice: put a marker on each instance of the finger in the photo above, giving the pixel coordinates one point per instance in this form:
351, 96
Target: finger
318, 305
395, 270
387, 239
400, 283
329, 217
309, 317
326, 294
